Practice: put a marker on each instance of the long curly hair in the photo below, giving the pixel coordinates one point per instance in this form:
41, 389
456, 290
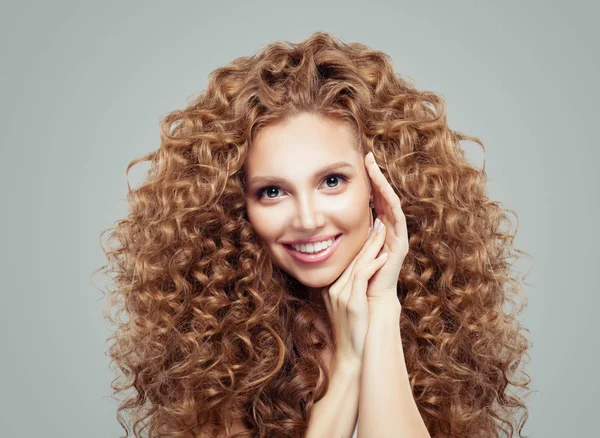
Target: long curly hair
214, 331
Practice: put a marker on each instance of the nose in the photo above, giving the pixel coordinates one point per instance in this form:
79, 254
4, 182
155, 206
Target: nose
308, 217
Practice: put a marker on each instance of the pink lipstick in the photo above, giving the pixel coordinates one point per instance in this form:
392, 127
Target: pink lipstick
314, 258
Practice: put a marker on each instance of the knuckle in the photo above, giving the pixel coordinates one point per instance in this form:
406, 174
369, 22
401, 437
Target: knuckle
353, 308
334, 295
344, 301
359, 275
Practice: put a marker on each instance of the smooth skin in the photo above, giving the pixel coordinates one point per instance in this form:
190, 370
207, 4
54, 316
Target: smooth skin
346, 299
288, 201
382, 290
291, 196
346, 302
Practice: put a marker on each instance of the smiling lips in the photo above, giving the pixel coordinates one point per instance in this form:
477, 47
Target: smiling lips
314, 258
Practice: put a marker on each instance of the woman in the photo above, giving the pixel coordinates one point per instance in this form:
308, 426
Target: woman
233, 332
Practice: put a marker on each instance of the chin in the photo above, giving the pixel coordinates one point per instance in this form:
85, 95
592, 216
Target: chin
315, 284
322, 280
308, 279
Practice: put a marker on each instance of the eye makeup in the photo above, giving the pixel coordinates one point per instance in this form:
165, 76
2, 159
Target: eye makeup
258, 193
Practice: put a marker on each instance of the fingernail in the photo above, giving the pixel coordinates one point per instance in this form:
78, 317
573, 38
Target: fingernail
378, 225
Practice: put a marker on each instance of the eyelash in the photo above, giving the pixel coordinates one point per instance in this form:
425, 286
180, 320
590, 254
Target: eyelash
259, 192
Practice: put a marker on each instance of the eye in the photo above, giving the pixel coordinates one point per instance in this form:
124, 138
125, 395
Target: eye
334, 176
273, 189
268, 189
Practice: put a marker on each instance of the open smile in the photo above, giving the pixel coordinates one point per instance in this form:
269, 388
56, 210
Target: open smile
318, 257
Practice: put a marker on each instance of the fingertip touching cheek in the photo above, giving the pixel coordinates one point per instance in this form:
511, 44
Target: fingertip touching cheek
306, 181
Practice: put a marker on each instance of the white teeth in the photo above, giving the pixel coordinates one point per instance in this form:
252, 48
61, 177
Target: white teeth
312, 248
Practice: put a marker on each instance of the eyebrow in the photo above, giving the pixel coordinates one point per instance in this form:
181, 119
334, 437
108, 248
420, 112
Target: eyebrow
276, 180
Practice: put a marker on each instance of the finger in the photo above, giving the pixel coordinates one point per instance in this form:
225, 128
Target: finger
371, 250
341, 282
343, 279
369, 238
363, 263
347, 275
359, 293
381, 207
376, 264
386, 191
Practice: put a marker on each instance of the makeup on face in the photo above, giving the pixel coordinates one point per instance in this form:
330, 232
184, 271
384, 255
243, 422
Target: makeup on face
314, 253
306, 181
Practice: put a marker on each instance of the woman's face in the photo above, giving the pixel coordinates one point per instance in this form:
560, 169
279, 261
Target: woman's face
295, 192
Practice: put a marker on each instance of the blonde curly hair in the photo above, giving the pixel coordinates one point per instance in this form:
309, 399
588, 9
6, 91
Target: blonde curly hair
215, 331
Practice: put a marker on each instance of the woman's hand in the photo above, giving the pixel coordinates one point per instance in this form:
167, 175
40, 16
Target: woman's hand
346, 300
382, 289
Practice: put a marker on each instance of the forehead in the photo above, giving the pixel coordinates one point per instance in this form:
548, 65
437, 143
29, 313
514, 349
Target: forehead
306, 139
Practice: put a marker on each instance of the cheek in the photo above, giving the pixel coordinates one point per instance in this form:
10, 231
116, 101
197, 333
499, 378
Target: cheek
352, 210
268, 228
264, 223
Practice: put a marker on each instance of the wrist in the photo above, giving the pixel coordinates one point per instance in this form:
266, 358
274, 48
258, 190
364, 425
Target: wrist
389, 305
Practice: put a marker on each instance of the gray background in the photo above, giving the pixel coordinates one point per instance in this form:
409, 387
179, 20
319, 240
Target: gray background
85, 83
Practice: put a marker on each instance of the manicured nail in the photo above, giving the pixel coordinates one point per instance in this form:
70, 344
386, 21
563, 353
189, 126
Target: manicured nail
378, 225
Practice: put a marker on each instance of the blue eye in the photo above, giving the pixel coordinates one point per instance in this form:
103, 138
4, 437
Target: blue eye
333, 176
259, 193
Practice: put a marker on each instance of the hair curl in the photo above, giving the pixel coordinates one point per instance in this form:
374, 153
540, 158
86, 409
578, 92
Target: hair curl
216, 331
